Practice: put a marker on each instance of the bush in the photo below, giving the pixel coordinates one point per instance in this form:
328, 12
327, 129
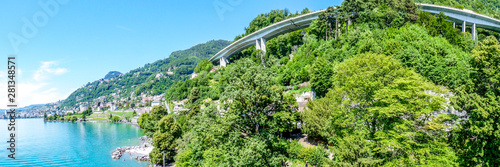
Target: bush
294, 149
115, 119
316, 156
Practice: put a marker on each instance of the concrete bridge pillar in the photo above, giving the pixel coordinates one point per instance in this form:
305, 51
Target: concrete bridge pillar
453, 25
223, 62
464, 26
260, 44
473, 32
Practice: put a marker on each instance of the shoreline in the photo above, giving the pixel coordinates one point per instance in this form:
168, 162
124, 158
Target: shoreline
141, 152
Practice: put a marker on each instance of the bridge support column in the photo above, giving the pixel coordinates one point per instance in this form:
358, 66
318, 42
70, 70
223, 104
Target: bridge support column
473, 32
260, 44
453, 25
223, 62
464, 26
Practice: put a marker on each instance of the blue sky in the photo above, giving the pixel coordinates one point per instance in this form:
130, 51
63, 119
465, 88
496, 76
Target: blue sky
61, 47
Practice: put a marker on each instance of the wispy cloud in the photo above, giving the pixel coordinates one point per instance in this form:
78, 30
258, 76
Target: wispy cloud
124, 28
39, 90
33, 93
47, 69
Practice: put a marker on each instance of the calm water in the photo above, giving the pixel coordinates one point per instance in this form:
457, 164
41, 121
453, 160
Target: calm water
40, 143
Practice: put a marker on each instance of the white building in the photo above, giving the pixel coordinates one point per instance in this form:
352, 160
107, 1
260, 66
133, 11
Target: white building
159, 75
303, 98
194, 75
83, 107
155, 103
113, 107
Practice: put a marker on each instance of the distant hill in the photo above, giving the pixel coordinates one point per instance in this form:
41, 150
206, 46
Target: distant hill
147, 79
112, 74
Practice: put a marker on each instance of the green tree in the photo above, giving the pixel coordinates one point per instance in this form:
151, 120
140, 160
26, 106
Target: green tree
168, 130
321, 74
157, 112
194, 96
204, 65
486, 66
376, 99
254, 99
87, 112
116, 119
84, 117
477, 141
316, 117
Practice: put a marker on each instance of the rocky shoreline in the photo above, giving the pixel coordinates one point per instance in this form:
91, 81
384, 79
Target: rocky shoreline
142, 151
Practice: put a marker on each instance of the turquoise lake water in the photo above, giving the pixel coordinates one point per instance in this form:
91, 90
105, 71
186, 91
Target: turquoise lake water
40, 143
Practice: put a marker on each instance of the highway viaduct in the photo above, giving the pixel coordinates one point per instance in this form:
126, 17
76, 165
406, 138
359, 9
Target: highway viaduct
258, 38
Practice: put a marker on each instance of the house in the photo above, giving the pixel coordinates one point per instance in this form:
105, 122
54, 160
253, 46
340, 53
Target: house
179, 106
214, 69
83, 107
146, 99
143, 110
170, 73
159, 75
155, 103
194, 75
303, 98
113, 107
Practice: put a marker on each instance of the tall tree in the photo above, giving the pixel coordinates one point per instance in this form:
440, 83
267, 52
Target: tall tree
477, 141
321, 74
254, 98
382, 113
168, 130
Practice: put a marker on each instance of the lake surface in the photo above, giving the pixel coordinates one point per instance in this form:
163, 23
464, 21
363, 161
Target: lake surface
40, 143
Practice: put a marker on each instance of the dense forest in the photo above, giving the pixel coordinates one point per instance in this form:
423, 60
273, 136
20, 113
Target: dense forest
181, 63
401, 87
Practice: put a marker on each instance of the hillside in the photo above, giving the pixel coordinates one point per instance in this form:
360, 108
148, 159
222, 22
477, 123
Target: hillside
112, 74
144, 79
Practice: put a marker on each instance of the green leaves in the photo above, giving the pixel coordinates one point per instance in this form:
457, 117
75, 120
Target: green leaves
204, 65
321, 74
254, 99
168, 130
381, 112
486, 65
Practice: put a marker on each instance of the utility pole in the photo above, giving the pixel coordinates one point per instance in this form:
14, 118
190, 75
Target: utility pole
163, 158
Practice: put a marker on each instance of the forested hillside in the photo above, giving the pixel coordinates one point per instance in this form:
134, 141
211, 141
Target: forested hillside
144, 80
112, 74
400, 88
